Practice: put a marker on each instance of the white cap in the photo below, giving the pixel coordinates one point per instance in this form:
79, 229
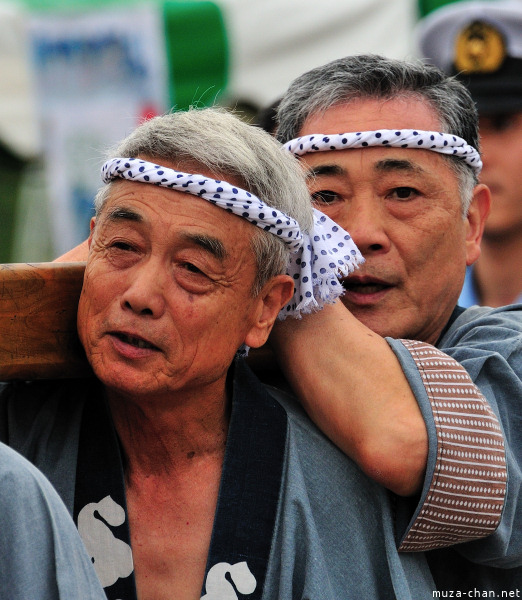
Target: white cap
481, 41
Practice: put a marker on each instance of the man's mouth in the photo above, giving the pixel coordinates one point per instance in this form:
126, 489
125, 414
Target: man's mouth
364, 287
137, 342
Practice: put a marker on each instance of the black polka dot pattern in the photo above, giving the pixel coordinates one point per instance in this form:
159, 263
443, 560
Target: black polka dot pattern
444, 143
317, 258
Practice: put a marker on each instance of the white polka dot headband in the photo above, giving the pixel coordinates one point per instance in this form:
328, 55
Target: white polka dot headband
317, 258
445, 143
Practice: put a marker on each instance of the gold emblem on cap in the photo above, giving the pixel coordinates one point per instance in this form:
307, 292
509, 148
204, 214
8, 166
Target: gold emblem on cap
479, 48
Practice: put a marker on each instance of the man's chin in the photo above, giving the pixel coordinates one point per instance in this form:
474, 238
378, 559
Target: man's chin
117, 377
128, 387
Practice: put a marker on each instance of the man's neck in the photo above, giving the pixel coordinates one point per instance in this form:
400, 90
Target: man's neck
161, 436
498, 272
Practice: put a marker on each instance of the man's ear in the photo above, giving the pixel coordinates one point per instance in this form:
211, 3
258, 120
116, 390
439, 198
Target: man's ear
274, 295
91, 230
476, 218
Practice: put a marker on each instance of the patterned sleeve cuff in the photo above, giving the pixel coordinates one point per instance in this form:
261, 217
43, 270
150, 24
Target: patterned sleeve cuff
466, 495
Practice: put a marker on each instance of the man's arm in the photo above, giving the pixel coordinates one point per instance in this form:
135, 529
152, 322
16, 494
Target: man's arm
352, 386
401, 409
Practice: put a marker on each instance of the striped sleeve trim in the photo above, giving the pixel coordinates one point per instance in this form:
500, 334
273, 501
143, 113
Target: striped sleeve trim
466, 495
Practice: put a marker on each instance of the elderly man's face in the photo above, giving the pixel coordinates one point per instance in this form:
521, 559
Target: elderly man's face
167, 292
403, 210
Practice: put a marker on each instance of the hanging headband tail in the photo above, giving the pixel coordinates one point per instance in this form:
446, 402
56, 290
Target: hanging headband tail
328, 253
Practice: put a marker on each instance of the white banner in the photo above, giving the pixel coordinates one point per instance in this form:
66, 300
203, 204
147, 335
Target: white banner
274, 41
98, 74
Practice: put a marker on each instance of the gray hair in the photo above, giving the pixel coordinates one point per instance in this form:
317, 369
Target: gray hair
213, 139
371, 76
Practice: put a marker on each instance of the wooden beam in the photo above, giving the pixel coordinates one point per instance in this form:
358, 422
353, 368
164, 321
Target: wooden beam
38, 304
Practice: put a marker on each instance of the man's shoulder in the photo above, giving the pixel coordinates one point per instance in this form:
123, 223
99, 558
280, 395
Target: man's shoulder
510, 313
483, 336
21, 480
489, 324
15, 469
317, 455
23, 484
509, 317
289, 404
278, 392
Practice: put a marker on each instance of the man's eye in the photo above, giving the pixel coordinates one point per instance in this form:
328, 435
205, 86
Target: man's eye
122, 246
192, 268
404, 193
325, 197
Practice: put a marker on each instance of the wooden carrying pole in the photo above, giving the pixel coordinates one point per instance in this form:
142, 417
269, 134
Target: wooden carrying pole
38, 336
38, 304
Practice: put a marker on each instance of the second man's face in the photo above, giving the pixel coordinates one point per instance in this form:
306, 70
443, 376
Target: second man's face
403, 210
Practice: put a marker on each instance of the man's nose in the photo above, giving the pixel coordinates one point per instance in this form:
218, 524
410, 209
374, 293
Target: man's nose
145, 292
365, 221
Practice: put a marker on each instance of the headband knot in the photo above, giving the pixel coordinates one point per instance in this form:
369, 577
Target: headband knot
317, 258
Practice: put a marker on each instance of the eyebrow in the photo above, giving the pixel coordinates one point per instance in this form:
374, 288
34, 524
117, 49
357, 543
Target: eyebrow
123, 214
395, 164
387, 165
325, 170
210, 244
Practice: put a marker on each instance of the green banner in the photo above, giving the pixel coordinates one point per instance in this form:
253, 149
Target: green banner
197, 51
426, 6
